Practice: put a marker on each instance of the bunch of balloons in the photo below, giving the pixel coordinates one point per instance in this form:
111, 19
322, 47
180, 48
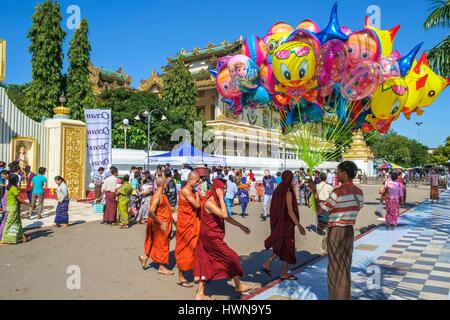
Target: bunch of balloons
299, 71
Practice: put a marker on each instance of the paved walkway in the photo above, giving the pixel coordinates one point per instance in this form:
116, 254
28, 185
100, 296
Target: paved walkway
409, 263
78, 213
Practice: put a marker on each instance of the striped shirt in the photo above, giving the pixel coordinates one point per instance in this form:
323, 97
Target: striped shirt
342, 206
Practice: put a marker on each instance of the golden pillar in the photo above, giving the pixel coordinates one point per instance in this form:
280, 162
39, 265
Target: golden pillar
67, 151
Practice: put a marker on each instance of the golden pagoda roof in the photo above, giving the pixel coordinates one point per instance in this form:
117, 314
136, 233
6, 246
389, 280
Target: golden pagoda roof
154, 81
358, 149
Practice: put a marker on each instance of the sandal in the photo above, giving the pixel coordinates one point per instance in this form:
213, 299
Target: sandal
170, 273
185, 284
290, 278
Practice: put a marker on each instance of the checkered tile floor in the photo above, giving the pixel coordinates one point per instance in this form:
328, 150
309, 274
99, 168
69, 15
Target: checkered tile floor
417, 266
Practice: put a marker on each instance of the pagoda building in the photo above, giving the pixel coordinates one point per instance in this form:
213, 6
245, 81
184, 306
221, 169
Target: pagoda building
361, 154
104, 79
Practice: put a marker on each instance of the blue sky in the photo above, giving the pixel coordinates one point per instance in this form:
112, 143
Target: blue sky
140, 35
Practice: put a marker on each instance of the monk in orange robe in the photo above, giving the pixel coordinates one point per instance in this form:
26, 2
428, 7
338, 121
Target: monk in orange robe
188, 228
159, 228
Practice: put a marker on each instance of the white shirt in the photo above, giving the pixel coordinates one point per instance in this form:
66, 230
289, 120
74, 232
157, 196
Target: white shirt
324, 190
109, 185
185, 174
330, 178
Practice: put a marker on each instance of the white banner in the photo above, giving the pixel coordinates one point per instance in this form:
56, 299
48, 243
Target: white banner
99, 138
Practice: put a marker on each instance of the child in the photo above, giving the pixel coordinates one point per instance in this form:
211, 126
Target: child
243, 198
259, 191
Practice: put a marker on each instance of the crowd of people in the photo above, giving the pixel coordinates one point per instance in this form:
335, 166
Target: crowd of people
24, 187
202, 200
192, 206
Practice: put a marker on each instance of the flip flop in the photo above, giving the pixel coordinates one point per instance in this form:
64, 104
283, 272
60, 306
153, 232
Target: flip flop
185, 284
290, 278
266, 271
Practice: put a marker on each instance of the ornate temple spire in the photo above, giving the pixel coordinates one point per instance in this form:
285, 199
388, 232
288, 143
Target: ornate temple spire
358, 149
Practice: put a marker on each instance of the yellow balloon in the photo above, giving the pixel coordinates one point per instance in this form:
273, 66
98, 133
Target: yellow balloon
294, 64
386, 37
390, 97
424, 85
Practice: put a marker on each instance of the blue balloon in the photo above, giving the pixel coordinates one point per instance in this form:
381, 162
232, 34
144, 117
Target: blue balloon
258, 96
406, 62
305, 112
333, 29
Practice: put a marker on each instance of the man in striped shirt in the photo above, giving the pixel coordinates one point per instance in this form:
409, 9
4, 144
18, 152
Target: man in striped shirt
342, 208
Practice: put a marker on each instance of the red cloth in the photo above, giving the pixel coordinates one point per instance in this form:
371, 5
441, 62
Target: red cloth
110, 207
282, 228
214, 260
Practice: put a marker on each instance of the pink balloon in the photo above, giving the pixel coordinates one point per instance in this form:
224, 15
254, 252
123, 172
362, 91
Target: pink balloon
396, 55
390, 67
346, 30
361, 81
332, 62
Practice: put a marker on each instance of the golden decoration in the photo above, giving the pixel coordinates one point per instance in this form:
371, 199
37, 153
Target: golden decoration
73, 166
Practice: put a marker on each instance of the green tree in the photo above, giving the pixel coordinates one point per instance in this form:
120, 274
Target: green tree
79, 89
398, 149
46, 36
442, 154
16, 92
127, 104
180, 96
439, 56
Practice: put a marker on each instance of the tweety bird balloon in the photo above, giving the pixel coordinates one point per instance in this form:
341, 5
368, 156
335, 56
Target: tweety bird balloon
389, 98
386, 37
294, 67
425, 87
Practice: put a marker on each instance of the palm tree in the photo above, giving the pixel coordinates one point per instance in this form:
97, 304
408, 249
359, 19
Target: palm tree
439, 56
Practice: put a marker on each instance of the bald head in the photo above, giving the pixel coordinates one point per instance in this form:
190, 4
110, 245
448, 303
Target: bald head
193, 179
193, 175
160, 181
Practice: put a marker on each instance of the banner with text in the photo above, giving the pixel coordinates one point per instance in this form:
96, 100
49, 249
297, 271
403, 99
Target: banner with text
99, 138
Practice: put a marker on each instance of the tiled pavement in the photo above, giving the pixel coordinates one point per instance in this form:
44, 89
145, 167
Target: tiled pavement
409, 263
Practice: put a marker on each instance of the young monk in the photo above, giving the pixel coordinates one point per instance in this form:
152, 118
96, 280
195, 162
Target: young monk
159, 228
188, 228
214, 260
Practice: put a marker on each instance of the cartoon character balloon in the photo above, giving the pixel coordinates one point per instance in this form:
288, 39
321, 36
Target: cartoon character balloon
389, 98
294, 67
244, 73
363, 46
268, 80
425, 87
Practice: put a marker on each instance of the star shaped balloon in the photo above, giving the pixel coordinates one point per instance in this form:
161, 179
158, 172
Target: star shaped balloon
333, 29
